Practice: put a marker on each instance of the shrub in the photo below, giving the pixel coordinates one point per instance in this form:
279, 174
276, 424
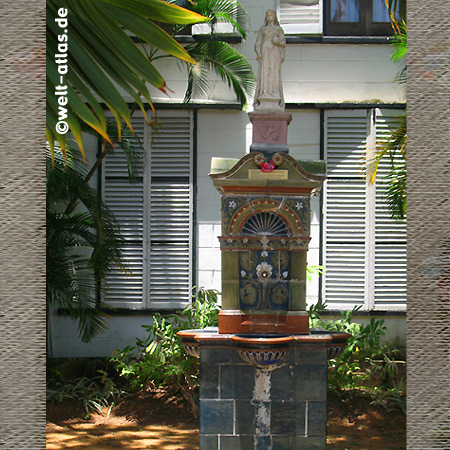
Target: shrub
161, 360
365, 361
97, 393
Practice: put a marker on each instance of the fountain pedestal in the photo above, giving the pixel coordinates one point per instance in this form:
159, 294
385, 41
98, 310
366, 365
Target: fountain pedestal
263, 392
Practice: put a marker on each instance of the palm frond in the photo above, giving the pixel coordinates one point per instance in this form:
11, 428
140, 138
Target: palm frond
394, 150
396, 192
397, 13
100, 54
130, 144
82, 246
215, 57
396, 143
224, 11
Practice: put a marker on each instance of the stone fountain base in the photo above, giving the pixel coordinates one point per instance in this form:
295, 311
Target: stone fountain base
263, 392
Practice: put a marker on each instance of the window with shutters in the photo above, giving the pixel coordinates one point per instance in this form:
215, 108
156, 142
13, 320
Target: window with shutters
364, 249
155, 216
335, 17
301, 16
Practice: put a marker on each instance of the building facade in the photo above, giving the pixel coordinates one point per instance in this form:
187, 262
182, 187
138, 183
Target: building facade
340, 87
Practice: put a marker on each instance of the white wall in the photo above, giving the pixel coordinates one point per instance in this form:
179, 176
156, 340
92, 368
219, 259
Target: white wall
312, 73
223, 134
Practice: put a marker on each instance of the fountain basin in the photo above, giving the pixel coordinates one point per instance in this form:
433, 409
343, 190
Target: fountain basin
190, 342
263, 350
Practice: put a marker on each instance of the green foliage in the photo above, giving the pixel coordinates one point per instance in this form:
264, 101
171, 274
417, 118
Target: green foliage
102, 58
222, 11
219, 58
395, 149
97, 393
83, 236
396, 191
399, 43
314, 270
82, 246
365, 359
386, 397
161, 359
216, 57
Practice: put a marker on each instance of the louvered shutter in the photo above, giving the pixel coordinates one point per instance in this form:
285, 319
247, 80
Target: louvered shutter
126, 200
299, 17
155, 216
171, 217
390, 237
345, 210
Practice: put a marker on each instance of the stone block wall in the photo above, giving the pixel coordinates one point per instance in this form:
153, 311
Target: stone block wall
288, 413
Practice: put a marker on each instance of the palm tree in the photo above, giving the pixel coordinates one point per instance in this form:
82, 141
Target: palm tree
101, 56
83, 241
215, 56
83, 246
395, 148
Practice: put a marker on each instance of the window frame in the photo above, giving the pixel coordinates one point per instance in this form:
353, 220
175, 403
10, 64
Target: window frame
365, 26
371, 241
314, 28
147, 303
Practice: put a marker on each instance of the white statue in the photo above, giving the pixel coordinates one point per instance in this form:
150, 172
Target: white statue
270, 50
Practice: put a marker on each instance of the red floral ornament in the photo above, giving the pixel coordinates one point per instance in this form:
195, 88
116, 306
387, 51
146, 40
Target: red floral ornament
267, 167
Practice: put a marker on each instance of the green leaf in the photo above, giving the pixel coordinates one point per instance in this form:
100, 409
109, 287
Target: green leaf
150, 32
107, 58
221, 59
101, 51
224, 11
124, 47
159, 11
74, 101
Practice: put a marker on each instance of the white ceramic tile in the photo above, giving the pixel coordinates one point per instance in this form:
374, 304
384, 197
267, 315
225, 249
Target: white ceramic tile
209, 259
205, 235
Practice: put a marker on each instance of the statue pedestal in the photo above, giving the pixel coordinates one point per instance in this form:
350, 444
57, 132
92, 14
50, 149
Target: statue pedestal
270, 132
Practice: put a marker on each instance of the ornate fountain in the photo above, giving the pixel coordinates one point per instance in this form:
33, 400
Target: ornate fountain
263, 373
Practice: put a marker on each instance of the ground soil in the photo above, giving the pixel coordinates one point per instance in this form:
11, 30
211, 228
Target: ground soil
160, 421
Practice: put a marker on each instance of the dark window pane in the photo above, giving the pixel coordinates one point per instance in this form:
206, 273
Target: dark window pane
380, 12
344, 11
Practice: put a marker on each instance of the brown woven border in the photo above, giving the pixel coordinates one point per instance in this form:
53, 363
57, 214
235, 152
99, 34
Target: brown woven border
428, 322
22, 243
22, 225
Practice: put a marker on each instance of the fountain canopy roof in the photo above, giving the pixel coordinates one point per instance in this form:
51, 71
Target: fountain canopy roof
255, 172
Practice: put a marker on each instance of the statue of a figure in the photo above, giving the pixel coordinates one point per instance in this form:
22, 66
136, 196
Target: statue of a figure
270, 50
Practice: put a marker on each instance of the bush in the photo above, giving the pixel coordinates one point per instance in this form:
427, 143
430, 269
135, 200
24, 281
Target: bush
365, 362
85, 380
161, 360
